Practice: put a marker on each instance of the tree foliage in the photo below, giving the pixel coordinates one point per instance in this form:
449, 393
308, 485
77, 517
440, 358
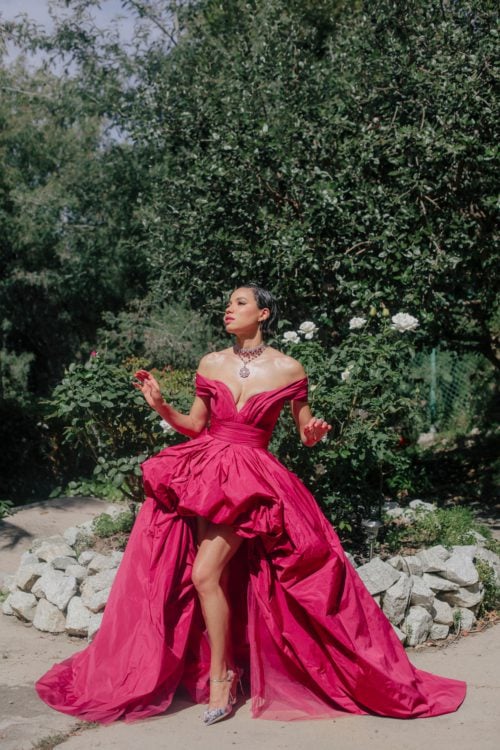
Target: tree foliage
342, 154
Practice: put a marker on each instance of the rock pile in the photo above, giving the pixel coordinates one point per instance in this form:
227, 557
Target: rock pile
59, 590
423, 595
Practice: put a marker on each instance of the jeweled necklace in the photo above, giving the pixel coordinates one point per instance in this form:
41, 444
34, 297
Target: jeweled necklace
246, 355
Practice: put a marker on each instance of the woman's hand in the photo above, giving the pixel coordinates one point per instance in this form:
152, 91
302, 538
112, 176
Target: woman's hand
314, 430
149, 387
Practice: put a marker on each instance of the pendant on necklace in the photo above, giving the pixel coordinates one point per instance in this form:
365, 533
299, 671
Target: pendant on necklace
244, 371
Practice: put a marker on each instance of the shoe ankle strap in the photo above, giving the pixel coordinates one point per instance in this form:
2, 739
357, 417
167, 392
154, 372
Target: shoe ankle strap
228, 678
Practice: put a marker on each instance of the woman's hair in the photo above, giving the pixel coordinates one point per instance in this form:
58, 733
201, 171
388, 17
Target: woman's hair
263, 299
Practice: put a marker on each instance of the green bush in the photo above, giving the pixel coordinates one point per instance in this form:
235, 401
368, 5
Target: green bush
105, 526
165, 334
5, 508
100, 420
357, 387
491, 600
446, 526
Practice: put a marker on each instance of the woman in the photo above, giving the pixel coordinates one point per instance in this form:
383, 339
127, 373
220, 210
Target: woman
232, 565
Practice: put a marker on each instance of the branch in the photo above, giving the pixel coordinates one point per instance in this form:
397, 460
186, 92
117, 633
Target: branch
142, 10
23, 91
358, 244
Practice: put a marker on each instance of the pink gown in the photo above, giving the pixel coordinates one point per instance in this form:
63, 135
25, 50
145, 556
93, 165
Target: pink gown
312, 641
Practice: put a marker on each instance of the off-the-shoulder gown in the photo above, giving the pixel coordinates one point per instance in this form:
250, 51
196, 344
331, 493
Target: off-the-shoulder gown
310, 637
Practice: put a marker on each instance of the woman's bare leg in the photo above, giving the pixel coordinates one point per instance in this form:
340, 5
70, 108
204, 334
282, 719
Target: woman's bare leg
215, 550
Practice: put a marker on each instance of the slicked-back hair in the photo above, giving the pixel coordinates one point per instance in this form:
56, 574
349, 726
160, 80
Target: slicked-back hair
264, 298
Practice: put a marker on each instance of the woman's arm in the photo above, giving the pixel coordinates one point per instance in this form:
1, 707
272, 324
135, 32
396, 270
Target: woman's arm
310, 428
187, 424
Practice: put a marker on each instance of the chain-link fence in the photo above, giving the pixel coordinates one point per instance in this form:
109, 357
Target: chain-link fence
457, 390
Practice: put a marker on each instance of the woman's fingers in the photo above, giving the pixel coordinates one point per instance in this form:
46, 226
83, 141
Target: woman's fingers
316, 428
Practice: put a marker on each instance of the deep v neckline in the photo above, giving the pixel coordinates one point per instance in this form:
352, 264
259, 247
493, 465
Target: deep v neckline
260, 393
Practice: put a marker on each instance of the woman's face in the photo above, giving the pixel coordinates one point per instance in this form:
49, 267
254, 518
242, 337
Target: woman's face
242, 315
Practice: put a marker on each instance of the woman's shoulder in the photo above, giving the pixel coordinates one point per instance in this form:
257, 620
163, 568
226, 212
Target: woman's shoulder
288, 367
210, 363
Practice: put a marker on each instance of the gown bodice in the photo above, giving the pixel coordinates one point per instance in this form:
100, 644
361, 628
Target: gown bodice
254, 422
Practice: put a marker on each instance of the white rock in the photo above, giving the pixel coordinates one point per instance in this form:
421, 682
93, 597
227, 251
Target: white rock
96, 601
460, 569
87, 527
412, 565
71, 535
48, 617
390, 505
377, 598
86, 556
431, 563
442, 613
101, 562
50, 550
77, 617
61, 563
28, 558
440, 551
117, 555
6, 608
23, 605
396, 599
489, 556
421, 505
28, 574
78, 571
425, 439
463, 598
438, 632
94, 625
468, 550
98, 582
7, 581
396, 562
421, 594
474, 587
480, 539
39, 541
77, 535
408, 514
416, 625
436, 583
394, 512
115, 510
467, 618
399, 633
56, 587
377, 575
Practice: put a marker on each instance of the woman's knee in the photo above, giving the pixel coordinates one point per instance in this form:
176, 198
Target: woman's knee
204, 577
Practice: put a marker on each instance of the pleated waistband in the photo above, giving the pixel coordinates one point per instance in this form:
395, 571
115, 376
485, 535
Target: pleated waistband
241, 434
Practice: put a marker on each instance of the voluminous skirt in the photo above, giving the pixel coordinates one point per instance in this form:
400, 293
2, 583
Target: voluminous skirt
310, 637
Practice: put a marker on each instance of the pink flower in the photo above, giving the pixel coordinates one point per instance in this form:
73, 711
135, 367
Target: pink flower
93, 353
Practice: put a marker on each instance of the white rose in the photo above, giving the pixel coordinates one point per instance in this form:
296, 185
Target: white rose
165, 426
292, 336
345, 375
403, 322
308, 328
355, 323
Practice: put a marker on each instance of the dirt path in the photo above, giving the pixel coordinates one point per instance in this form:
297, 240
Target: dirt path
26, 653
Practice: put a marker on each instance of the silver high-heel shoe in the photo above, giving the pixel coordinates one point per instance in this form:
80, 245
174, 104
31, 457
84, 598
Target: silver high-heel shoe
211, 715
